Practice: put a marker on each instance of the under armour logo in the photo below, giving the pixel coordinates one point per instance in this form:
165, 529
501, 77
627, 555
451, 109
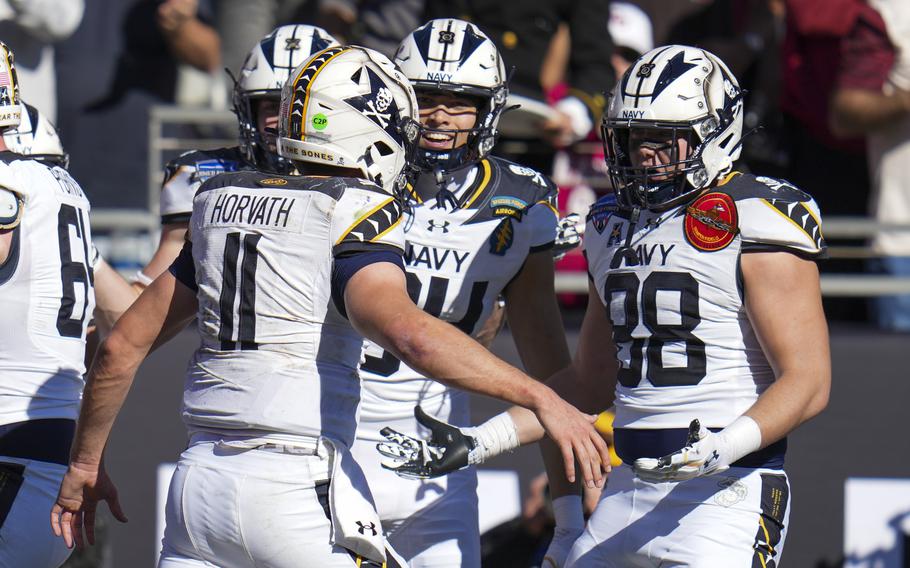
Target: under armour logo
645, 70
362, 528
712, 458
291, 43
446, 36
432, 224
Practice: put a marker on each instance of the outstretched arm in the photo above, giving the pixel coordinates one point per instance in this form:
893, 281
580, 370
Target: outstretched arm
378, 306
165, 308
783, 300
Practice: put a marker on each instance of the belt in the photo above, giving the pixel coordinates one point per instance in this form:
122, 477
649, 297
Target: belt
46, 440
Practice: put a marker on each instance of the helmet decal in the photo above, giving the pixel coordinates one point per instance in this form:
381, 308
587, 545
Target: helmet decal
300, 87
266, 69
378, 105
683, 105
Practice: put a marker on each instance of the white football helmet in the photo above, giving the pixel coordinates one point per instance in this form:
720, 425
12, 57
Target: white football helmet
454, 55
36, 137
263, 74
673, 92
10, 111
350, 107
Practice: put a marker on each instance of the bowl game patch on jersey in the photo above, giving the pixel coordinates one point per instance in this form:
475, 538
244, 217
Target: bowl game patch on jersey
711, 222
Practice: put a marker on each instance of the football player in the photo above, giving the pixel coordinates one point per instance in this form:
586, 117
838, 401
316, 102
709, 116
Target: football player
52, 281
286, 274
476, 227
255, 99
705, 280
37, 138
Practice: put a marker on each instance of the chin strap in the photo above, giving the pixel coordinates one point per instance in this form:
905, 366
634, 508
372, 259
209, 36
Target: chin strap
444, 197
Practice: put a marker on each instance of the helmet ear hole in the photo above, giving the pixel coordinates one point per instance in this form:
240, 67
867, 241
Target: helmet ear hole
383, 148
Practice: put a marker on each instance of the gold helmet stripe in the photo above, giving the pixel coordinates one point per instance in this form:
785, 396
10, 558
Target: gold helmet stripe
305, 79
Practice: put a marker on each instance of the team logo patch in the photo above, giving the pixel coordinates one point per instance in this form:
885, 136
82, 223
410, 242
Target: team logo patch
273, 181
210, 168
711, 222
446, 36
502, 238
732, 491
645, 70
599, 215
508, 207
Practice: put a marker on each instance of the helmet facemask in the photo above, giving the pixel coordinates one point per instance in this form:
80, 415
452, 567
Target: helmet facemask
262, 76
480, 138
673, 178
259, 148
672, 93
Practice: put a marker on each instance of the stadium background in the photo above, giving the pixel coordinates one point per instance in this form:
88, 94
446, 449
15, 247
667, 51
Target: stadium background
111, 73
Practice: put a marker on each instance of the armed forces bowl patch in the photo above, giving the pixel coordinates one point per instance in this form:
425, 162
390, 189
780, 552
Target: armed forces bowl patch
711, 222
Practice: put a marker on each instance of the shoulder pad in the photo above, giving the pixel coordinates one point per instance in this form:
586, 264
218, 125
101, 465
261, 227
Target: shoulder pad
524, 183
773, 214
204, 164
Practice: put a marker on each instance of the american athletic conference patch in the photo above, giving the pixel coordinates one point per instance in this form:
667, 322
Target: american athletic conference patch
711, 222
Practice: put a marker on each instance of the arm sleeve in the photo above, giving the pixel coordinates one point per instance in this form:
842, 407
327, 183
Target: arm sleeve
183, 268
346, 266
543, 218
787, 223
366, 219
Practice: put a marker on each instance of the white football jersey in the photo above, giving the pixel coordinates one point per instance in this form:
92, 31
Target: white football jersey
185, 174
277, 358
46, 294
458, 262
674, 296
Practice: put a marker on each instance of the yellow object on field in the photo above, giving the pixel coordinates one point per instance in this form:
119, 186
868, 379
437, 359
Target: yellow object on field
604, 425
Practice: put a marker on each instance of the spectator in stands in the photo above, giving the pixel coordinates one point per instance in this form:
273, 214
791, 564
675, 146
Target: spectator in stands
242, 23
377, 25
872, 98
747, 34
523, 32
632, 33
31, 27
812, 55
190, 39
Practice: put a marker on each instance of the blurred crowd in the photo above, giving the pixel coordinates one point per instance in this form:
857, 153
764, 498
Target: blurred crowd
827, 83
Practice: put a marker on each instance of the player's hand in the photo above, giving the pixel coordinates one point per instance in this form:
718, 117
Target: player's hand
448, 449
574, 433
558, 551
702, 455
568, 235
82, 488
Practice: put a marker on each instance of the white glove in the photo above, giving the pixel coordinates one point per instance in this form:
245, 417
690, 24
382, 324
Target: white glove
570, 523
705, 452
569, 232
449, 448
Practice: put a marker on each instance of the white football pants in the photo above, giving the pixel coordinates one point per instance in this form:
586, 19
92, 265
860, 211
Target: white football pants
736, 519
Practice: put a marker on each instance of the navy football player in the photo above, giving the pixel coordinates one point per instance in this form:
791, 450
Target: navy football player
705, 279
286, 274
476, 227
52, 281
255, 98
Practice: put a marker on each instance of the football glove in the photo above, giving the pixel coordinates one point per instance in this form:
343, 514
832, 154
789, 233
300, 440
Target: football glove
705, 452
568, 235
448, 449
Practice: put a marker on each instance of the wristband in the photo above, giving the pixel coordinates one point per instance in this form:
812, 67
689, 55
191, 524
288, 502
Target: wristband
741, 438
493, 437
142, 279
